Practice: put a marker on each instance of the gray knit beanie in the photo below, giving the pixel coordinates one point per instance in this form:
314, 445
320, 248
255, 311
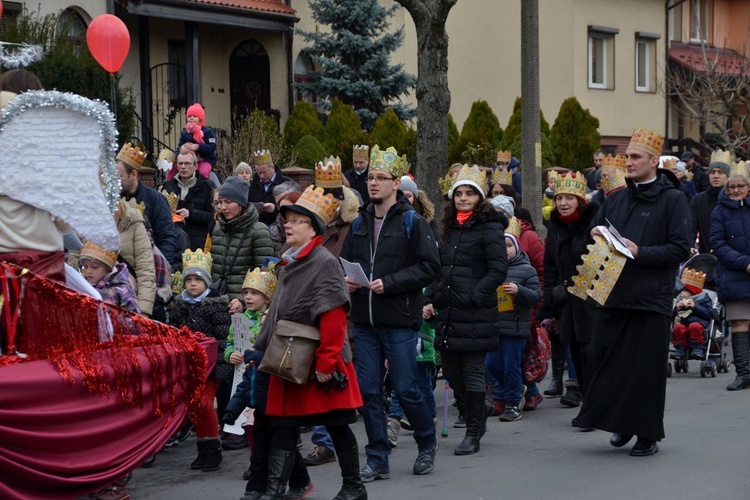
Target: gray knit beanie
407, 184
719, 164
504, 204
235, 189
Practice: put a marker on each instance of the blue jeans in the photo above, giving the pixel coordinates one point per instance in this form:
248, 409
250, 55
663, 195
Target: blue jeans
425, 374
321, 437
505, 366
398, 345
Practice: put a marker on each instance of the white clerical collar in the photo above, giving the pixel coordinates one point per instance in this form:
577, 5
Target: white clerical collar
646, 182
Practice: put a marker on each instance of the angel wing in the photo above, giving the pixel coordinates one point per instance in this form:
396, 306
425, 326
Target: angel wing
51, 146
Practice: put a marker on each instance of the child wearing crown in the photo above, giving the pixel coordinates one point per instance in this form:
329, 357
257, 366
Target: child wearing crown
100, 268
692, 312
201, 310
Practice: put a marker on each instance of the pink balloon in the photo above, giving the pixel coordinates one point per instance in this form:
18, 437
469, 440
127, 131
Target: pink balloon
109, 41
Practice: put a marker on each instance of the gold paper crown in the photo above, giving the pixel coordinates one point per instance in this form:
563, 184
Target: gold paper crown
167, 155
261, 279
446, 183
361, 152
177, 286
669, 163
648, 142
388, 160
324, 206
740, 168
514, 227
551, 175
598, 272
172, 199
197, 259
141, 207
328, 173
504, 156
571, 183
131, 156
693, 278
97, 253
473, 176
502, 177
614, 172
721, 157
262, 157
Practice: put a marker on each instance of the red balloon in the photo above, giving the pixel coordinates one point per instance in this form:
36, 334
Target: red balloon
109, 41
1, 9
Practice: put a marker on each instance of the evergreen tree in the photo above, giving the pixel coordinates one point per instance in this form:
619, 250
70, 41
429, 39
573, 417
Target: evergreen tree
481, 130
512, 137
343, 132
388, 131
452, 139
303, 121
575, 134
353, 58
309, 151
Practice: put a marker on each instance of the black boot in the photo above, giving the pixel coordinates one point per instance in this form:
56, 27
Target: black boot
202, 452
280, 463
555, 387
572, 396
353, 488
213, 455
460, 422
741, 354
475, 417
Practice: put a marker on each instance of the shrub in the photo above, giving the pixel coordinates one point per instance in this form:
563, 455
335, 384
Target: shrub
309, 151
303, 121
343, 132
482, 129
512, 137
575, 134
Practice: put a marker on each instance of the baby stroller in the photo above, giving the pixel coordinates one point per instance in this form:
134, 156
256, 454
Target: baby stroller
715, 359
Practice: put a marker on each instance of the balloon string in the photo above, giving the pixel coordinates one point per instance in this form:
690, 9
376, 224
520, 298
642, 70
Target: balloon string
113, 96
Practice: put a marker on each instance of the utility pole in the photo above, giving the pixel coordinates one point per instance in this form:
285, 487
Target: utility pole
531, 134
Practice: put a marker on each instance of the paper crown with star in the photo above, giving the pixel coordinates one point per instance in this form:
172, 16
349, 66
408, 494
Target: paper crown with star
262, 279
361, 152
446, 183
91, 251
324, 206
131, 156
571, 183
502, 177
504, 156
614, 172
328, 173
471, 176
740, 168
262, 157
650, 142
388, 160
720, 156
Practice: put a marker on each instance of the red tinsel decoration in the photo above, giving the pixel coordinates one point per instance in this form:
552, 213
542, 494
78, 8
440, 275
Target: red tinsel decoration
80, 334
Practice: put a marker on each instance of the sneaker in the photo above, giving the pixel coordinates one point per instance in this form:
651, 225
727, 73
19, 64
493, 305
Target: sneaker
371, 472
405, 424
234, 442
698, 353
425, 461
498, 407
511, 414
172, 441
184, 431
679, 352
531, 402
394, 426
320, 455
299, 493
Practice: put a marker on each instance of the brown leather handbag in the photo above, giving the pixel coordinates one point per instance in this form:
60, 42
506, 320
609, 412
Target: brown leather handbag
291, 351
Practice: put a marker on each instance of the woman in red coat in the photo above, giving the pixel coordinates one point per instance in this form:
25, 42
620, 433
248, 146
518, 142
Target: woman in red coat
311, 290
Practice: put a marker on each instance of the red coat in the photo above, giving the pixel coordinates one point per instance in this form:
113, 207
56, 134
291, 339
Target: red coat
532, 245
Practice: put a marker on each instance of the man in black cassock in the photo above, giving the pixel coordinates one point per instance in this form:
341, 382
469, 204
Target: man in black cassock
630, 337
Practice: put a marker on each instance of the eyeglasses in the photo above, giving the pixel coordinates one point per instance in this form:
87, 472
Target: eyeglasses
296, 222
737, 187
181, 163
378, 178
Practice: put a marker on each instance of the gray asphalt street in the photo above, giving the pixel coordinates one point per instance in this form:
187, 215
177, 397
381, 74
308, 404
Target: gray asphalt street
706, 454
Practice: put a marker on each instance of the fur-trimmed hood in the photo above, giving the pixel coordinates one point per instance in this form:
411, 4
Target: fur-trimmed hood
428, 208
349, 207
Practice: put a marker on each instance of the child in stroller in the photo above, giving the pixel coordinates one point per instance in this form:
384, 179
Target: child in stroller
692, 314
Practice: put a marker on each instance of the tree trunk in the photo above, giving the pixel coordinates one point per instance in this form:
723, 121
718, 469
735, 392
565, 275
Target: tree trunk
531, 135
433, 95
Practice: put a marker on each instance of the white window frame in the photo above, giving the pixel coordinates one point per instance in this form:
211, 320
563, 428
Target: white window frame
647, 66
699, 12
605, 62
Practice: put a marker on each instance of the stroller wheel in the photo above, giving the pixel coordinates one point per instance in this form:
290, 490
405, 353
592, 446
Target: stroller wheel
704, 369
669, 370
713, 370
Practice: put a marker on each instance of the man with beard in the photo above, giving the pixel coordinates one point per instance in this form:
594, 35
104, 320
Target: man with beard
704, 203
630, 334
398, 254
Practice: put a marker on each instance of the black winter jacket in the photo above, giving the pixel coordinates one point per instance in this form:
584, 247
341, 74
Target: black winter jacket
563, 249
359, 183
206, 150
406, 266
700, 211
655, 217
517, 323
199, 202
210, 317
257, 195
158, 216
474, 263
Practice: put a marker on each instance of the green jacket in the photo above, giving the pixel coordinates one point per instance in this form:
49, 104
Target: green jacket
225, 240
426, 342
255, 318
